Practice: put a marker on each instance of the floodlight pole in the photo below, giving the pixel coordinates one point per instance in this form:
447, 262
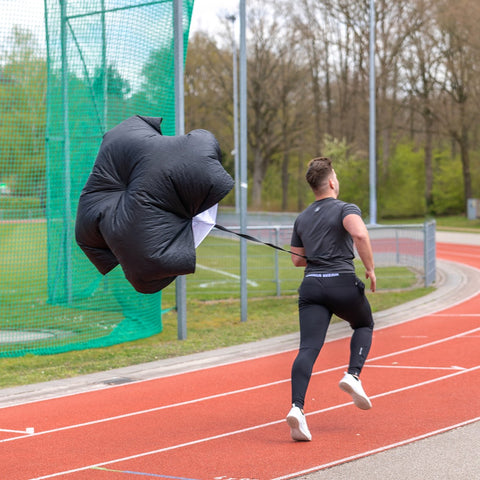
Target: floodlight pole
243, 160
372, 125
180, 282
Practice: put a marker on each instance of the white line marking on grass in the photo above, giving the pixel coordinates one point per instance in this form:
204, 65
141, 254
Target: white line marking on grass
211, 284
226, 274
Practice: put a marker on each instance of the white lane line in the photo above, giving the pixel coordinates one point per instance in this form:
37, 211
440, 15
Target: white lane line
27, 431
424, 345
416, 367
378, 450
235, 392
264, 425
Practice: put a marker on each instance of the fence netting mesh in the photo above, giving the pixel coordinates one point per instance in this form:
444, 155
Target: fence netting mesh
89, 65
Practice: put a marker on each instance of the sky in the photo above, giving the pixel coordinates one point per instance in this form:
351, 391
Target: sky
27, 13
206, 14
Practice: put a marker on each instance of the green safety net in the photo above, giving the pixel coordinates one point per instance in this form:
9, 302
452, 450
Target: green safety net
97, 63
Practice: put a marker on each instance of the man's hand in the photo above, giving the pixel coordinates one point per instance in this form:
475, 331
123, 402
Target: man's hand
373, 280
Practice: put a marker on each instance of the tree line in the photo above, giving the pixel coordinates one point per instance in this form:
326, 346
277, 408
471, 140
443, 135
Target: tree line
308, 95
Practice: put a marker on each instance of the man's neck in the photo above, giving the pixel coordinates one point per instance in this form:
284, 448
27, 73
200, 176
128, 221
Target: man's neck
322, 197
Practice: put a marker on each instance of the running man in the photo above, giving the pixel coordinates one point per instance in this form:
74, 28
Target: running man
323, 240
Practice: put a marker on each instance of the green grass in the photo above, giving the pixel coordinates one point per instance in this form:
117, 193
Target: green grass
211, 324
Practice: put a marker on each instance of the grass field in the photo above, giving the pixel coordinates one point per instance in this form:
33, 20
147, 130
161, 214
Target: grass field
213, 307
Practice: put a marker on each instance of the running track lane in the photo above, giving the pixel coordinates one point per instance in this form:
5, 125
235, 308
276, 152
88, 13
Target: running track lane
228, 422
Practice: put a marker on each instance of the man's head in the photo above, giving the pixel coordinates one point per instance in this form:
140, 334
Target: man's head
322, 178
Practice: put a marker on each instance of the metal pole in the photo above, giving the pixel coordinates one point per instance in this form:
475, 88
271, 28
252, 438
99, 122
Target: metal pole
66, 157
47, 144
372, 146
243, 160
180, 282
233, 18
277, 268
104, 68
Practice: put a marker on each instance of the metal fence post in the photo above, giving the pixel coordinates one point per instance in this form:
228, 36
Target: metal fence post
277, 270
429, 253
180, 282
397, 248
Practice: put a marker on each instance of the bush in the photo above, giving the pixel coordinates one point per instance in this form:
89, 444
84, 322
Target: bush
448, 195
402, 191
352, 172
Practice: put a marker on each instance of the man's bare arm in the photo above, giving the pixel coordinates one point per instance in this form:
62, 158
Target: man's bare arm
357, 229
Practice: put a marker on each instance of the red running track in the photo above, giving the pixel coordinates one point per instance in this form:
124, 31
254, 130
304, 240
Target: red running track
228, 422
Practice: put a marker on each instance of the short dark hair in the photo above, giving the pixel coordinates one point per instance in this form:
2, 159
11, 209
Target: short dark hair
318, 172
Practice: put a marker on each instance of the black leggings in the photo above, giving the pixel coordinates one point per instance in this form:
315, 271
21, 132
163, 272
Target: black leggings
319, 298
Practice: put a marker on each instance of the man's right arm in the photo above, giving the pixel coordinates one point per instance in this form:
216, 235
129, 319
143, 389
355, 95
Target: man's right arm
298, 256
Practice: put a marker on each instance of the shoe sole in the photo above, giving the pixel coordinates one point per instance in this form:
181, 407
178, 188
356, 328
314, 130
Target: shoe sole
360, 402
295, 431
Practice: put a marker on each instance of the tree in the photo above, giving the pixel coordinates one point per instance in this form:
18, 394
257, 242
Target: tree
22, 115
208, 87
276, 97
422, 60
458, 21
308, 76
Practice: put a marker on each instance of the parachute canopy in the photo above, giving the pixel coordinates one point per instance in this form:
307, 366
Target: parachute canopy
141, 198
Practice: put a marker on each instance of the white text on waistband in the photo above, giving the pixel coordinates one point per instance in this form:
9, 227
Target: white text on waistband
323, 275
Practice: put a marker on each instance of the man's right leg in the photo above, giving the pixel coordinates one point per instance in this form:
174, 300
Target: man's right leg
314, 321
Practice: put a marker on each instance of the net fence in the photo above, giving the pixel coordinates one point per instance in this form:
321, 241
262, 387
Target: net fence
85, 67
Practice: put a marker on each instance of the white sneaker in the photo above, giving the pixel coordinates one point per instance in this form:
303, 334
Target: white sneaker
353, 386
298, 425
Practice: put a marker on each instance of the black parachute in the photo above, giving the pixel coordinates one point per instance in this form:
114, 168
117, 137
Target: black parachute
137, 206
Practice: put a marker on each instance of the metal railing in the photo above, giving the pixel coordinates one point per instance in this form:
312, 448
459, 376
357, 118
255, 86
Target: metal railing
402, 245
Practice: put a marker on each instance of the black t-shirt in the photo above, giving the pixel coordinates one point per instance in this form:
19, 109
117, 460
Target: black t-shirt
319, 230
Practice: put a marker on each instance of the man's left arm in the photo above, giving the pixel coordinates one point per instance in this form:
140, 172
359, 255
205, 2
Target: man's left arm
356, 228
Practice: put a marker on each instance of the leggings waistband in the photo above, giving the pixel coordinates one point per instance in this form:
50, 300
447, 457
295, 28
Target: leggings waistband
329, 275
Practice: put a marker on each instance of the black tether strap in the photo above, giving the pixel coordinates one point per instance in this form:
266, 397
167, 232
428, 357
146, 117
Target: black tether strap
253, 239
